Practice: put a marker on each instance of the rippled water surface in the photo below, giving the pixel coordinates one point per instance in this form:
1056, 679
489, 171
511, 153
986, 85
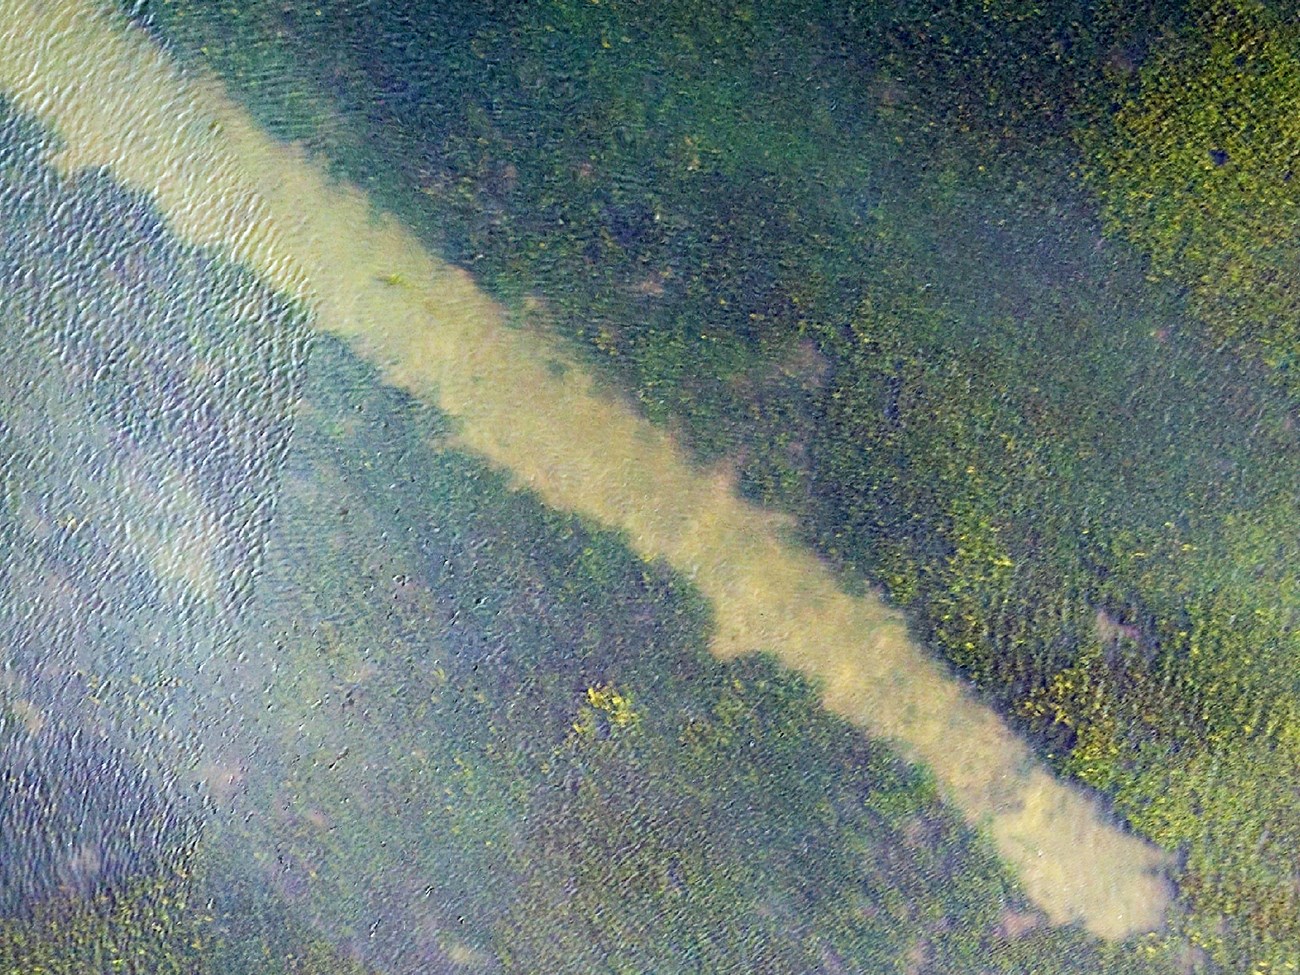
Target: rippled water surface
351, 624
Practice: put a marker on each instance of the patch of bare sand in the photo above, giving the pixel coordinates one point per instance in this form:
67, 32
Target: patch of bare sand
118, 103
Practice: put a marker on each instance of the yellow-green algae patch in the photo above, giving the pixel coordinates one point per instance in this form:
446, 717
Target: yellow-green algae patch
1196, 168
115, 101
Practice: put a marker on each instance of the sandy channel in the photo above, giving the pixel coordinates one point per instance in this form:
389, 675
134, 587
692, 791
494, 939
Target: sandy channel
117, 102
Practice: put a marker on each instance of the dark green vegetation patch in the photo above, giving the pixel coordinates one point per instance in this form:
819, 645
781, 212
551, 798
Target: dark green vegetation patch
1198, 169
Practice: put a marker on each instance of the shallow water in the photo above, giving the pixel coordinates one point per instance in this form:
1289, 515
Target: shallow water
116, 102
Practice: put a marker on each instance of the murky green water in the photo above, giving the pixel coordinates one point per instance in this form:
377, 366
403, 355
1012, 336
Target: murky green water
268, 557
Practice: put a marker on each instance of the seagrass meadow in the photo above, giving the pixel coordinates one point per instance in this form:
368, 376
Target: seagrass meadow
986, 304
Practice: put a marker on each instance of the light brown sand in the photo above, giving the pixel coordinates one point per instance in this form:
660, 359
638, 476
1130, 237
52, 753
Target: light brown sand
118, 103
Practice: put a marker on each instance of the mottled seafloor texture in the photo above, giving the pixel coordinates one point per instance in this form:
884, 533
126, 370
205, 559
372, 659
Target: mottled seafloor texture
351, 690
367, 612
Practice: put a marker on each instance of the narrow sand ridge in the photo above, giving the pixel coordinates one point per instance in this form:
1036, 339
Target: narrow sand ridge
116, 102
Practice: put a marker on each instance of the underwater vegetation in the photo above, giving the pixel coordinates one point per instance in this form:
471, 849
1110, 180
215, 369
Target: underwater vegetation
886, 296
409, 701
547, 716
1044, 473
1196, 168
